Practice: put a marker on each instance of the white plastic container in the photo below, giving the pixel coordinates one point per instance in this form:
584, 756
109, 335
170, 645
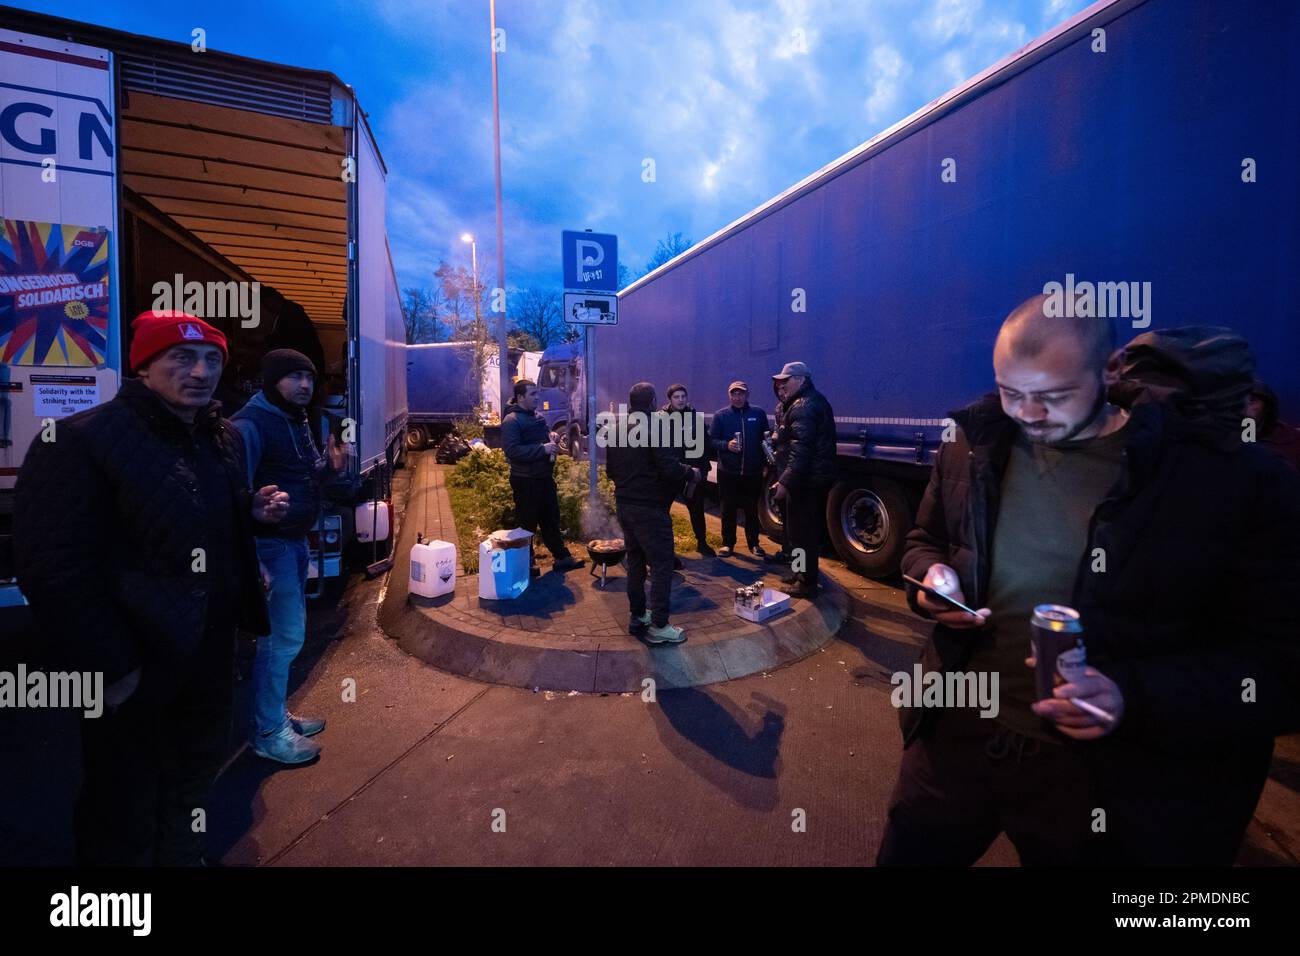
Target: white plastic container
372, 521
774, 602
503, 570
433, 568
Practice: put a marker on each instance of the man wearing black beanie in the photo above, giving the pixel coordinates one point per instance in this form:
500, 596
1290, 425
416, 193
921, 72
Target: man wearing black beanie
646, 478
280, 450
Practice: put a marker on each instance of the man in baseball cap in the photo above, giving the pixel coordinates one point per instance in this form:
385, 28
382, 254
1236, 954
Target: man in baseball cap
806, 446
161, 473
737, 438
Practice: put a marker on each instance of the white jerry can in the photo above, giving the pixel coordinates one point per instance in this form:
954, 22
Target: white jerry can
372, 521
433, 568
503, 564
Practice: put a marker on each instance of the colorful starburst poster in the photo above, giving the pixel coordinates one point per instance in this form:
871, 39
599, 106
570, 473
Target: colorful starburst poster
54, 304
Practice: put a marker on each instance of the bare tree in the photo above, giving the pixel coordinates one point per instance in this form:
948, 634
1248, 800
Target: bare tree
667, 249
537, 313
420, 312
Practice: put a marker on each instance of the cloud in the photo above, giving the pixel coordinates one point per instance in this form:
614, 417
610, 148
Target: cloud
887, 69
946, 19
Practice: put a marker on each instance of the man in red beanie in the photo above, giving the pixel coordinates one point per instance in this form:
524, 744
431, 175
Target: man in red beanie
133, 540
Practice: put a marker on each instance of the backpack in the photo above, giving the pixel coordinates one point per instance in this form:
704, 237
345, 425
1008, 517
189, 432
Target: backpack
1203, 373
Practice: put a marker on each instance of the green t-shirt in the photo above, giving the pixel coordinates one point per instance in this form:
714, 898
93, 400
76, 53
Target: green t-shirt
1049, 493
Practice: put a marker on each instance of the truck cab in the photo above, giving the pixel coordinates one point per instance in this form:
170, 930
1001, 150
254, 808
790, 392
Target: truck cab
560, 391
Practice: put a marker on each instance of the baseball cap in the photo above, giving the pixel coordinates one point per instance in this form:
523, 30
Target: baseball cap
791, 369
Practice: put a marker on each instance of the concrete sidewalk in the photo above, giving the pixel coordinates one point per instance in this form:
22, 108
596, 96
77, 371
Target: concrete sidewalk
570, 631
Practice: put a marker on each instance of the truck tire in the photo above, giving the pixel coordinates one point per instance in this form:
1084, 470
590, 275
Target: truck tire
768, 515
867, 520
416, 437
570, 443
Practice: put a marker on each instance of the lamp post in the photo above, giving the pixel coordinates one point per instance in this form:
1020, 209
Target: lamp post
503, 344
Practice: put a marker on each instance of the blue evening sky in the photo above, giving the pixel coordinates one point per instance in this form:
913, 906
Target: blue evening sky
734, 100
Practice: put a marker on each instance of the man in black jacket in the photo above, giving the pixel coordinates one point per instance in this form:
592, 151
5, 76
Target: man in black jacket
530, 449
808, 447
737, 439
133, 538
1049, 495
646, 479
692, 453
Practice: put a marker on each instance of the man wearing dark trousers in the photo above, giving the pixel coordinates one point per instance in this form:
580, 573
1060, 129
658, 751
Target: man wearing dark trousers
808, 447
157, 472
690, 423
646, 479
530, 448
1051, 495
737, 439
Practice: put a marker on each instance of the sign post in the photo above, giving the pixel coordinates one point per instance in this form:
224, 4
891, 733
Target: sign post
590, 262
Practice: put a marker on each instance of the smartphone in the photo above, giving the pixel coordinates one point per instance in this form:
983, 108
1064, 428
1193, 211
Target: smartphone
938, 594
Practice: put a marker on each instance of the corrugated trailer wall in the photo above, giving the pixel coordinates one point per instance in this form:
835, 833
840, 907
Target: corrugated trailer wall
1117, 166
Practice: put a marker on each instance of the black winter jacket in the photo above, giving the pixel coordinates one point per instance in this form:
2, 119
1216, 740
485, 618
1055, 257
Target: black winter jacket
522, 436
106, 519
645, 475
1202, 550
807, 440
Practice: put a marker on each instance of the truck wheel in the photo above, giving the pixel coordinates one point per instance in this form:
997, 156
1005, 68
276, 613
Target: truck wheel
769, 516
868, 520
568, 439
416, 438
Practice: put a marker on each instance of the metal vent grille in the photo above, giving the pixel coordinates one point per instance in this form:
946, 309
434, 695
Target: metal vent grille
226, 82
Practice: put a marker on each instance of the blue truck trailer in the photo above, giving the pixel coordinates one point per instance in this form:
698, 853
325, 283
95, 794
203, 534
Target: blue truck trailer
440, 387
1149, 141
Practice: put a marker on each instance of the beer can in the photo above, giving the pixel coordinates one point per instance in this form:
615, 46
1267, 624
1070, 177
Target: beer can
1057, 636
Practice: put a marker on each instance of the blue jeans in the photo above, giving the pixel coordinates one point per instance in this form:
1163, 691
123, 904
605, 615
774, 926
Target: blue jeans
284, 567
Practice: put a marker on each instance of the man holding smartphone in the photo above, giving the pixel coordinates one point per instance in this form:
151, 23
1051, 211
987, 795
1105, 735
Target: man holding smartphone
1050, 494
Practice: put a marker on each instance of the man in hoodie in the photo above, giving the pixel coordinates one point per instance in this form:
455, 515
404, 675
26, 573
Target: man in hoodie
280, 450
737, 438
691, 426
530, 448
646, 479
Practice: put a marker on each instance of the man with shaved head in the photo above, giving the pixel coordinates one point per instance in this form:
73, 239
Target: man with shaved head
1176, 551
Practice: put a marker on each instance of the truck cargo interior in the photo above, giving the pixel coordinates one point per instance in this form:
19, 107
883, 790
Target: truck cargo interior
216, 194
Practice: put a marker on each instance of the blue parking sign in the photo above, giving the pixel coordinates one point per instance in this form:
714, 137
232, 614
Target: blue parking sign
590, 261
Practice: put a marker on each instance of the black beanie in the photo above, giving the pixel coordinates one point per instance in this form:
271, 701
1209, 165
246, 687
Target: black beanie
642, 396
281, 362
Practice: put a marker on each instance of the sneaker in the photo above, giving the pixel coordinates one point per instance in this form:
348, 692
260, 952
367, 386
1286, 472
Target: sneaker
804, 591
791, 580
306, 726
637, 625
705, 550
780, 557
758, 552
286, 746
724, 551
567, 563
665, 635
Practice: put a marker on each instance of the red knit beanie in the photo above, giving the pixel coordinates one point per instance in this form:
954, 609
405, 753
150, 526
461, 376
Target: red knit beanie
155, 332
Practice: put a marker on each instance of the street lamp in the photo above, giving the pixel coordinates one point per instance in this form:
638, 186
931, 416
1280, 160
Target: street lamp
473, 252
